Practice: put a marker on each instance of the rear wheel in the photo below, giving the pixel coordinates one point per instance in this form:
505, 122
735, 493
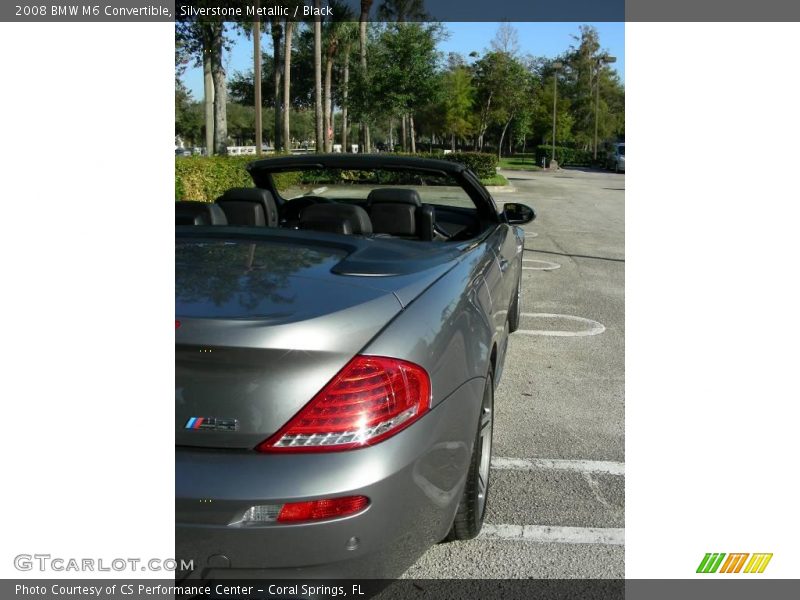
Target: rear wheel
472, 507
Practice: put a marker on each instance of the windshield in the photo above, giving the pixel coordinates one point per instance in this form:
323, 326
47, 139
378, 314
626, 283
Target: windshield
621, 150
348, 185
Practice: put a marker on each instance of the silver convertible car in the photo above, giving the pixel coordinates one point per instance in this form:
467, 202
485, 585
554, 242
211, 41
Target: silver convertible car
340, 330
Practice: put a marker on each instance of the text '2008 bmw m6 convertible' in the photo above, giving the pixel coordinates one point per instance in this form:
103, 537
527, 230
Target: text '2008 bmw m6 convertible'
340, 330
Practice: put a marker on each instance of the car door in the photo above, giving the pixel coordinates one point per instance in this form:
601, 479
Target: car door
504, 274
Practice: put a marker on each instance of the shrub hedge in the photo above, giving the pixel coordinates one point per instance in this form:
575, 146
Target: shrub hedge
207, 177
564, 156
482, 164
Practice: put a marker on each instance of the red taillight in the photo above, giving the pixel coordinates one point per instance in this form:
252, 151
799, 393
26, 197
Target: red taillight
322, 509
177, 323
371, 399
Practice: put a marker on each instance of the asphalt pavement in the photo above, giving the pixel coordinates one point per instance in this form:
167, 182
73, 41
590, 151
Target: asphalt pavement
557, 497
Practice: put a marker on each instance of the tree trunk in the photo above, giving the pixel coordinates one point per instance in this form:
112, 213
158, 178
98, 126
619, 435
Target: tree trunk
362, 40
413, 134
287, 82
484, 121
220, 91
391, 134
277, 37
403, 135
318, 77
208, 100
345, 83
502, 136
259, 126
453, 142
328, 118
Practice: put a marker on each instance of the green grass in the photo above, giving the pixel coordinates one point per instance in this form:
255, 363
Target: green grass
519, 162
496, 180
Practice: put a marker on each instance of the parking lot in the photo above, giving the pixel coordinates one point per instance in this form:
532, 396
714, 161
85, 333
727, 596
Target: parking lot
556, 507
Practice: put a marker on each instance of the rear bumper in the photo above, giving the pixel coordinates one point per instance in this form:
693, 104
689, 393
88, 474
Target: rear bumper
413, 480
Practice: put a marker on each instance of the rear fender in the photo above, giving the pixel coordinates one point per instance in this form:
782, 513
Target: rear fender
448, 330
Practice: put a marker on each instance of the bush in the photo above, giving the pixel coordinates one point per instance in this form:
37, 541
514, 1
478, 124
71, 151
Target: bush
482, 164
207, 177
564, 155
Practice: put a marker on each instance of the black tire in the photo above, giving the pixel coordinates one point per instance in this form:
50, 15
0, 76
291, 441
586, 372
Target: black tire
472, 506
515, 309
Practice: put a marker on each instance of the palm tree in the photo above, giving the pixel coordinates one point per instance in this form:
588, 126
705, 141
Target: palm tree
287, 68
206, 41
220, 88
335, 31
348, 37
318, 75
277, 35
255, 29
366, 5
208, 91
332, 45
257, 81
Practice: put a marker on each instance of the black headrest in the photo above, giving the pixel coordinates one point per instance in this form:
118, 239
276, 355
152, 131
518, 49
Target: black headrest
234, 202
198, 213
394, 218
394, 196
242, 212
336, 218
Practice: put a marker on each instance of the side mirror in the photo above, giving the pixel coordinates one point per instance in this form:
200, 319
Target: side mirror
518, 214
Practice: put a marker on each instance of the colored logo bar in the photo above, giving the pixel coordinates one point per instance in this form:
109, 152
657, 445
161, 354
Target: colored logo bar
734, 562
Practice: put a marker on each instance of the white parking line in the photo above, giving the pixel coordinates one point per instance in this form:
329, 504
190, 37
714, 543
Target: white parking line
546, 265
594, 327
581, 466
547, 534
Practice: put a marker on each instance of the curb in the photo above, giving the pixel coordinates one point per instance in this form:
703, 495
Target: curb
497, 189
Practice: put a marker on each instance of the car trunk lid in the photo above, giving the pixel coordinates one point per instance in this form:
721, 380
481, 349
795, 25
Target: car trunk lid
262, 326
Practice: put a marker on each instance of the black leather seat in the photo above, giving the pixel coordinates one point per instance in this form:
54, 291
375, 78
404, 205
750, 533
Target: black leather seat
254, 207
347, 219
189, 212
399, 211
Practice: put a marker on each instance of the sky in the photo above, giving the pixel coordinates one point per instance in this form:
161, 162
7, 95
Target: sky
538, 39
